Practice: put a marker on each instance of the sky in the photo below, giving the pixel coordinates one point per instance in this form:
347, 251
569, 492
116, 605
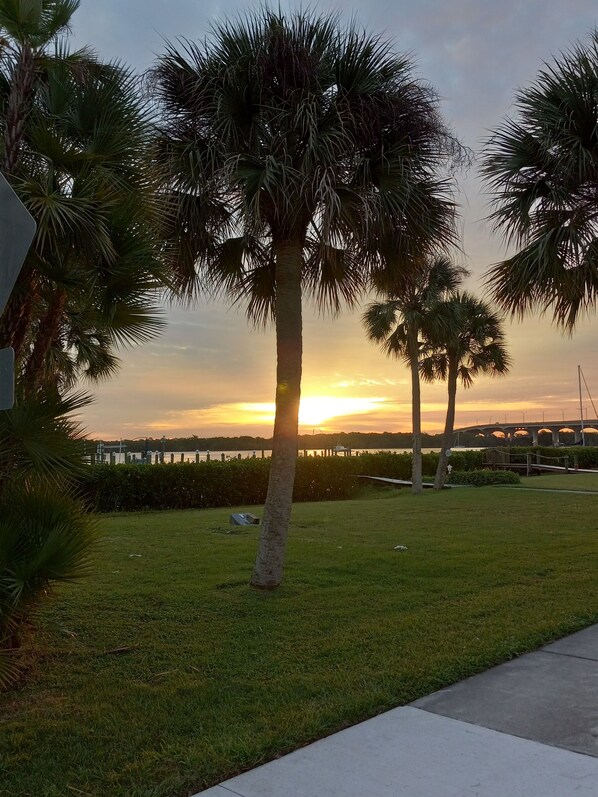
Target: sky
210, 373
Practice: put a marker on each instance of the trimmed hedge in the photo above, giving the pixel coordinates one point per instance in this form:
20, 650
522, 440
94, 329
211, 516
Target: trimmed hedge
482, 478
130, 488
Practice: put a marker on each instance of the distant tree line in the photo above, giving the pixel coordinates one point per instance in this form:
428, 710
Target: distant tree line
353, 440
376, 441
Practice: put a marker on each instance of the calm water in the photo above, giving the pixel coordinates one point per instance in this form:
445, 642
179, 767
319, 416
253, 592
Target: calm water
221, 456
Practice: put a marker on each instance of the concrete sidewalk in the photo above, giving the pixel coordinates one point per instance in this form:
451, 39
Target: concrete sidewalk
527, 728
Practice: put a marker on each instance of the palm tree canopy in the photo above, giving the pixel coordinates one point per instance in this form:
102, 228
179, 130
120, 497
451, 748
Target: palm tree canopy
83, 171
36, 22
542, 168
469, 336
293, 129
410, 311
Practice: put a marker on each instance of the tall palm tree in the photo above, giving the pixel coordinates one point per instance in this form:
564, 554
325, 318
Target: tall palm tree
542, 169
290, 142
467, 340
405, 322
29, 31
75, 147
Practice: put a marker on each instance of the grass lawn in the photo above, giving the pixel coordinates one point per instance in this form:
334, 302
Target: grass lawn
217, 678
563, 481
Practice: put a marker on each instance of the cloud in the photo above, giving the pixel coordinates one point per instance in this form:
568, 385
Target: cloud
475, 53
363, 382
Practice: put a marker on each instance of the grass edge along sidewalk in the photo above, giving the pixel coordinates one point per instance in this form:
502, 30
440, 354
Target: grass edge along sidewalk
164, 673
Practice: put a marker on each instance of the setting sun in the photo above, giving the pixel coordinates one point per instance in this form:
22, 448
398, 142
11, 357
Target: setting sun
315, 410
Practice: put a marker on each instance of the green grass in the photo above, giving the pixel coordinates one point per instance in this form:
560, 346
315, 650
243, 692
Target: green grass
217, 678
563, 481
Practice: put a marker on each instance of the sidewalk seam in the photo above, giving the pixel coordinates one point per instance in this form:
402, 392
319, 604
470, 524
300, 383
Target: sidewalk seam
568, 655
503, 733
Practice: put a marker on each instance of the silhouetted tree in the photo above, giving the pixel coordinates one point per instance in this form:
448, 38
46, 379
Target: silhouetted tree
405, 322
469, 341
294, 147
542, 167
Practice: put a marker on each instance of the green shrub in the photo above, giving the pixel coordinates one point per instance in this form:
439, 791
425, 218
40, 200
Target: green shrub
467, 460
482, 478
45, 533
130, 488
45, 537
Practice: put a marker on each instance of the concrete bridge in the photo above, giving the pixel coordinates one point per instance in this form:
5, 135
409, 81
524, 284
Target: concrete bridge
533, 429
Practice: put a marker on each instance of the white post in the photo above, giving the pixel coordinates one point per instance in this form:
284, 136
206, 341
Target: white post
583, 434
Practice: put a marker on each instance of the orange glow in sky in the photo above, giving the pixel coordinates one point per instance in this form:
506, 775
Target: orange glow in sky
314, 410
211, 374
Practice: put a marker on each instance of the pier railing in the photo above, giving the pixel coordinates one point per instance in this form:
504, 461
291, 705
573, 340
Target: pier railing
503, 459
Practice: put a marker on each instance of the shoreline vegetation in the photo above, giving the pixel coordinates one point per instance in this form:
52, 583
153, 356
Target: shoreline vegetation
323, 440
236, 482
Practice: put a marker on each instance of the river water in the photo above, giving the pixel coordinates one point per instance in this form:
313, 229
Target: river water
119, 457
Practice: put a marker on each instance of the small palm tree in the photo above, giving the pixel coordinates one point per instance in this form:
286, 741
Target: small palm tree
294, 147
467, 340
404, 323
45, 534
541, 168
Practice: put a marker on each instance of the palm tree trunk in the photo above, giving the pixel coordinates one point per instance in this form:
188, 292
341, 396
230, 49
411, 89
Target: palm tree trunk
16, 318
21, 87
449, 425
48, 332
268, 568
416, 461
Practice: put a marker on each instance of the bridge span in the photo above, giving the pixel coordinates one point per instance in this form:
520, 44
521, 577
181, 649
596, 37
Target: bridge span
533, 429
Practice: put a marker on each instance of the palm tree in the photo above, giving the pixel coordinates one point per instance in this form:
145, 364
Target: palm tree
74, 144
541, 168
290, 143
76, 150
404, 322
29, 30
45, 532
467, 340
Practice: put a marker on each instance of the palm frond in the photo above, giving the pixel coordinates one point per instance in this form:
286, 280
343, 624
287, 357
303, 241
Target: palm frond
36, 21
542, 170
334, 277
466, 332
293, 126
45, 537
40, 437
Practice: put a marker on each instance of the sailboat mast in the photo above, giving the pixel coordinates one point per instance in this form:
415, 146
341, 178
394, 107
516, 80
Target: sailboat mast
583, 434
